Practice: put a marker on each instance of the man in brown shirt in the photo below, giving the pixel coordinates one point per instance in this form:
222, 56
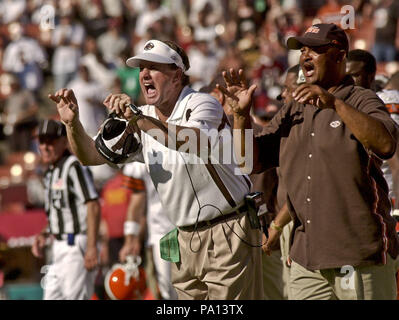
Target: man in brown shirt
329, 143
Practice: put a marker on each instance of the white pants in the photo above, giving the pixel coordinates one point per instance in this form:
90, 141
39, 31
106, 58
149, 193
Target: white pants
67, 278
163, 272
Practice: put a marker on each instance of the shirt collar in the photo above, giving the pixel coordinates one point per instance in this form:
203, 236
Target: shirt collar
343, 90
59, 163
179, 108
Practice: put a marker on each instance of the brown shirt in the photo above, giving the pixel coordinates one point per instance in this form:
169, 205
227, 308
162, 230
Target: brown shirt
336, 192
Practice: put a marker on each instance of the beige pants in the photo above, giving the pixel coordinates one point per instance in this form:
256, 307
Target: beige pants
273, 276
285, 251
362, 283
217, 265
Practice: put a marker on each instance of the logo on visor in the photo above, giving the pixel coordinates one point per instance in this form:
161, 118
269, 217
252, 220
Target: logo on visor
149, 46
313, 29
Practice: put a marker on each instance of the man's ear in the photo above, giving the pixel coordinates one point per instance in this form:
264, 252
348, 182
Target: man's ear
178, 75
218, 95
341, 55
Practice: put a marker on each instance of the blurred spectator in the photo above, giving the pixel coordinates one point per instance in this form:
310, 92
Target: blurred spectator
93, 16
20, 115
266, 74
361, 66
67, 40
112, 42
248, 40
155, 12
11, 10
128, 78
90, 95
386, 24
330, 12
98, 68
25, 57
231, 59
113, 8
205, 13
203, 28
244, 12
203, 64
363, 34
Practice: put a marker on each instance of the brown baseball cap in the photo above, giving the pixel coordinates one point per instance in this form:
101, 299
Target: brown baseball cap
320, 35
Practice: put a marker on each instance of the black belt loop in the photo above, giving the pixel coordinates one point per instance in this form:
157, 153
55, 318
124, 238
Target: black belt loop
208, 223
70, 237
58, 236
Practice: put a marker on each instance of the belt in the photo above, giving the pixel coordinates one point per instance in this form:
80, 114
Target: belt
64, 236
211, 222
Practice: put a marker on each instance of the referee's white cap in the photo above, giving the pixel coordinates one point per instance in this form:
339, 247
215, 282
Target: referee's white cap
156, 51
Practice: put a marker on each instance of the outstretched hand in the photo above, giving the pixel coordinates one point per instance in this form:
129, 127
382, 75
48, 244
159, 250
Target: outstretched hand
67, 105
237, 93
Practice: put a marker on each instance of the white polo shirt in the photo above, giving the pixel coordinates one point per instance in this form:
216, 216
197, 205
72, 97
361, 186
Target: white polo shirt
183, 181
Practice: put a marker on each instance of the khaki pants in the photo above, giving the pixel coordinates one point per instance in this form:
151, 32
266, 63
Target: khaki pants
364, 283
217, 265
285, 251
273, 276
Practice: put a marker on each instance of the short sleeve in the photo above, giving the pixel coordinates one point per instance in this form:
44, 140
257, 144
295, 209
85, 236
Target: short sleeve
368, 102
133, 177
206, 112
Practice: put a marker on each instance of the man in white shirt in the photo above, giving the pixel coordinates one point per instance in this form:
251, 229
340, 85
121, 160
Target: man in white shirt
215, 252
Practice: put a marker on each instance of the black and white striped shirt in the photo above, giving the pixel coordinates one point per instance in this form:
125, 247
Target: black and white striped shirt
68, 186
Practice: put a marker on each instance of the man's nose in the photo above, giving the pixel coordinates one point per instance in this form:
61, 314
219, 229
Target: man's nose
305, 52
145, 72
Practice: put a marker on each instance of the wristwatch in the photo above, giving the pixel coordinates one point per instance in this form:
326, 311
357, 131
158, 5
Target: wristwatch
136, 111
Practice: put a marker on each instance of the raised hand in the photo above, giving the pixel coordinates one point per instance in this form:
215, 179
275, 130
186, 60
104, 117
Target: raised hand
67, 105
118, 103
237, 93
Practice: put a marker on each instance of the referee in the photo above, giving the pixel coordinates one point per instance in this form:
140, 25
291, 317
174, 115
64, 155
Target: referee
73, 211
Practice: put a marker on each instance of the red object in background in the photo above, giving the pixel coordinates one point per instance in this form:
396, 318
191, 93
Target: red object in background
114, 205
118, 288
22, 225
14, 198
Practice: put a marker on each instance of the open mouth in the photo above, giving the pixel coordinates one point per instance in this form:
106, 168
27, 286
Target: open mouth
308, 69
150, 89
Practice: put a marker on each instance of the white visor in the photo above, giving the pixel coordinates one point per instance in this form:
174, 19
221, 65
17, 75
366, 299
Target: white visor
156, 51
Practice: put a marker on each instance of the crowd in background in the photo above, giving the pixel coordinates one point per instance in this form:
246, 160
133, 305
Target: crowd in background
83, 44
46, 45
